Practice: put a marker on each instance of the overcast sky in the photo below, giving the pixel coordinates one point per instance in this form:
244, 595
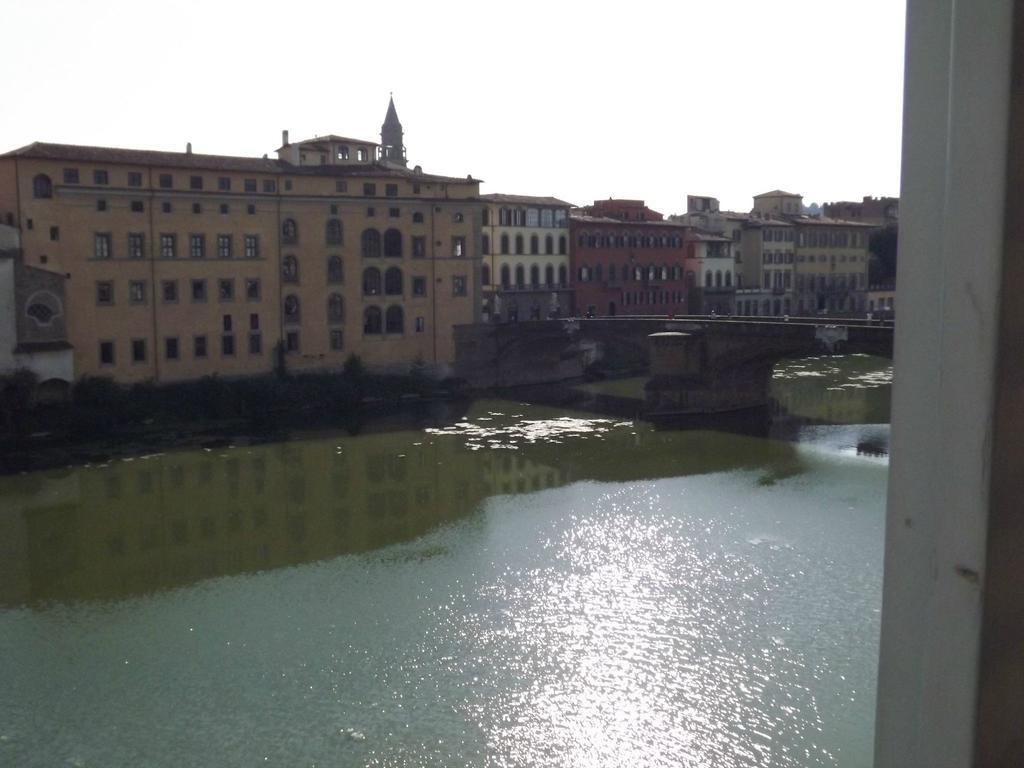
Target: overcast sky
586, 100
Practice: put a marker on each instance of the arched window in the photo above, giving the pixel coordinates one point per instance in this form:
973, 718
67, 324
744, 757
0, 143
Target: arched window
333, 232
393, 243
728, 278
371, 244
417, 218
504, 244
520, 276
519, 243
371, 320
371, 281
638, 273
290, 269
549, 275
535, 276
718, 279
506, 276
291, 308
592, 241
289, 231
561, 244
394, 320
485, 275
549, 245
42, 186
485, 217
652, 272
534, 244
334, 269
598, 272
739, 280
582, 239
563, 275
485, 245
335, 308
709, 279
393, 281
611, 273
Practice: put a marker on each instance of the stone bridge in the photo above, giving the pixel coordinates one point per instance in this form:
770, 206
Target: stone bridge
697, 364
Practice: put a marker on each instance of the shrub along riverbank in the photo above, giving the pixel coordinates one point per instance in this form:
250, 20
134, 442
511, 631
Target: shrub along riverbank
101, 419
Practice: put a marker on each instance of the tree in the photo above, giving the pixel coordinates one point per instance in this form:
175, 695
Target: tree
882, 245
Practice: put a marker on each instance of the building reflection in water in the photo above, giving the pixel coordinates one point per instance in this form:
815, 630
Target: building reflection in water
152, 523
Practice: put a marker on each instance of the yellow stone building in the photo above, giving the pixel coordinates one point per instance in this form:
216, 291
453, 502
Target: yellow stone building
182, 265
831, 265
525, 257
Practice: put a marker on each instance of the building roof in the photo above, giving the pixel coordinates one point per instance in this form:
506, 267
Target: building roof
777, 193
708, 237
192, 160
583, 218
112, 155
334, 139
525, 200
824, 221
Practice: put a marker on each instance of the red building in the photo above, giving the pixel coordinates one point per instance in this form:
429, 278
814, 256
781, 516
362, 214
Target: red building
626, 260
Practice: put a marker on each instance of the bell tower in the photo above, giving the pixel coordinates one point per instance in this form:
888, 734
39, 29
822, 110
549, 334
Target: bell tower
392, 147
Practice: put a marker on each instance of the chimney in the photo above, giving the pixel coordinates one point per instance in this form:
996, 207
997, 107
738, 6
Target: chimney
188, 148
284, 138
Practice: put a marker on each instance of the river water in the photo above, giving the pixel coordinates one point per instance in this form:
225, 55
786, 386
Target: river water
514, 586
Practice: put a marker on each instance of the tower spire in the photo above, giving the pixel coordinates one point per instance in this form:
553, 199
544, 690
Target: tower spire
391, 137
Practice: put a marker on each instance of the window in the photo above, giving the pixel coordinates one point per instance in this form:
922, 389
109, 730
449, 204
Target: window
226, 289
136, 245
291, 308
169, 291
419, 247
371, 244
291, 341
70, 175
419, 286
100, 178
269, 185
102, 248
290, 269
504, 244
417, 218
458, 285
458, 247
361, 155
250, 209
197, 208
549, 274
138, 350
227, 345
137, 292
506, 277
535, 275
520, 276
249, 185
198, 290
342, 152
341, 186
252, 289
371, 211
224, 208
101, 205
54, 234
166, 181
223, 246
394, 320
337, 339
335, 272
391, 190
287, 185
421, 325
371, 281
335, 308
485, 245
106, 353
333, 232
394, 213
549, 245
372, 321
519, 244
393, 244
167, 246
165, 207
226, 322
255, 343
197, 246
534, 245
289, 231
199, 346
171, 347
137, 206
252, 246
224, 183
369, 190
195, 182
104, 293
393, 282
